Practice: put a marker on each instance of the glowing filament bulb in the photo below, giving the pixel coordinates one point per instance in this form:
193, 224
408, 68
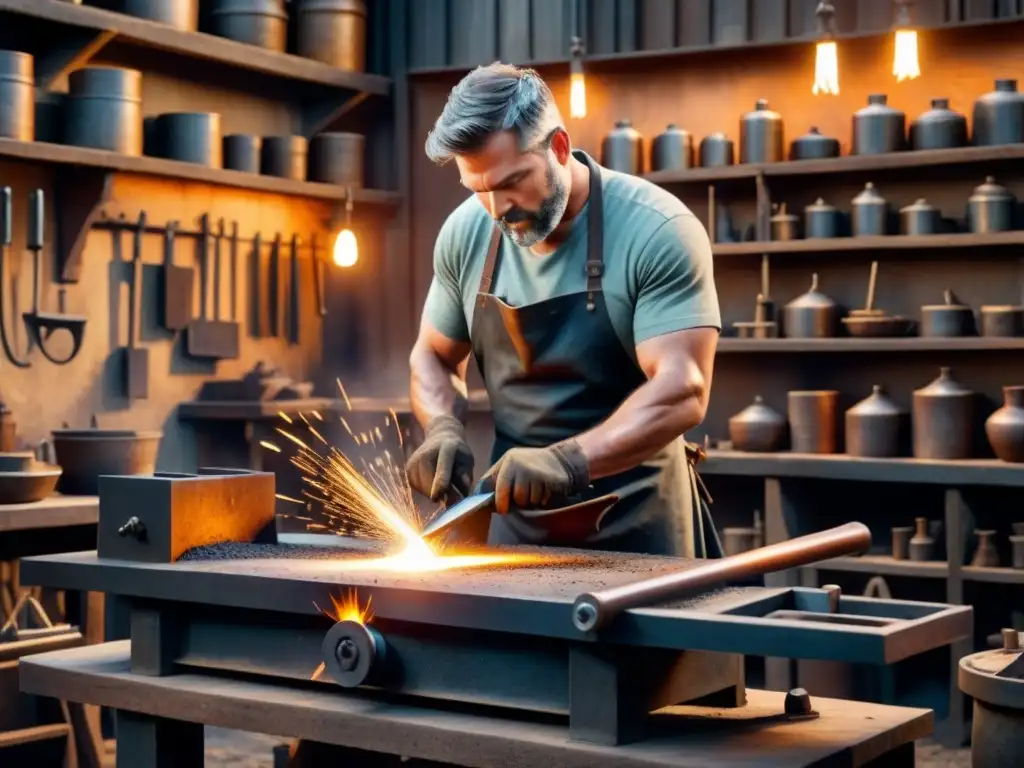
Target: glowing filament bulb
826, 68
346, 249
577, 95
905, 65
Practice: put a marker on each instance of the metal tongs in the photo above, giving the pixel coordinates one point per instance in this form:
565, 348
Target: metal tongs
566, 523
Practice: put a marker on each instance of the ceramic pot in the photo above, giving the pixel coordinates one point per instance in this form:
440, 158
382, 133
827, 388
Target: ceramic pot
757, 428
869, 213
943, 419
761, 135
672, 150
813, 145
921, 546
1002, 321
874, 426
623, 149
990, 208
920, 218
814, 421
810, 316
784, 225
947, 320
820, 220
901, 542
986, 555
938, 128
1005, 428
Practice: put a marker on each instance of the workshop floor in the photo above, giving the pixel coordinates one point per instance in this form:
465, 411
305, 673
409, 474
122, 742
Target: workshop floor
233, 749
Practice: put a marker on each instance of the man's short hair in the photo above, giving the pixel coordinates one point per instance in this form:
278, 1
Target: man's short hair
491, 99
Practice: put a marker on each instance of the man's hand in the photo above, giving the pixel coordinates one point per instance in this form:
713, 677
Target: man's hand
444, 460
536, 478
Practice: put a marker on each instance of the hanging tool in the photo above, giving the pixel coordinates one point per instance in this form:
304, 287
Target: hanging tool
318, 277
568, 523
256, 315
293, 290
41, 325
136, 359
274, 288
233, 256
178, 286
5, 244
208, 338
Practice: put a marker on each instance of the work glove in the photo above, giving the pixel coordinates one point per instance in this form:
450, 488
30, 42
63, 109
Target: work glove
444, 461
537, 478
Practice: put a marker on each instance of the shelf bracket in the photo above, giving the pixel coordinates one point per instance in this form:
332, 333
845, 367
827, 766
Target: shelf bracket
76, 48
78, 195
321, 114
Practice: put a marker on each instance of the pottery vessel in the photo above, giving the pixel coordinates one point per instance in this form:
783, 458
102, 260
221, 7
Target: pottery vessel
901, 542
1005, 428
921, 546
1005, 321
999, 116
784, 225
812, 315
990, 208
813, 145
943, 419
938, 128
821, 220
986, 555
869, 213
672, 150
757, 428
814, 421
717, 150
920, 218
874, 426
878, 128
949, 319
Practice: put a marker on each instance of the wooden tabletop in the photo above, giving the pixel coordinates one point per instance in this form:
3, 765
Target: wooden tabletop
847, 732
54, 512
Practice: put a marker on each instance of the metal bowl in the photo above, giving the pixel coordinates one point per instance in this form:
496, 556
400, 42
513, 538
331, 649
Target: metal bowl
873, 326
27, 487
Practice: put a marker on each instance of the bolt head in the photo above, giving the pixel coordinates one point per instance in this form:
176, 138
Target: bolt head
348, 654
798, 702
585, 614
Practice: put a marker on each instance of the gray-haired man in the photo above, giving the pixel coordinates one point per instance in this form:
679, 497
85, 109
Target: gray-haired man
588, 299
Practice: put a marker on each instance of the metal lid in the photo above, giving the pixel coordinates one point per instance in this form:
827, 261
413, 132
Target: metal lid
944, 386
940, 103
782, 215
990, 190
17, 67
877, 403
918, 205
623, 123
869, 196
717, 136
762, 112
333, 6
105, 83
813, 299
996, 677
819, 205
878, 98
1006, 85
949, 302
758, 412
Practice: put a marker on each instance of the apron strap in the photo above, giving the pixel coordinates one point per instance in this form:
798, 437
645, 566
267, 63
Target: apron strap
595, 234
490, 264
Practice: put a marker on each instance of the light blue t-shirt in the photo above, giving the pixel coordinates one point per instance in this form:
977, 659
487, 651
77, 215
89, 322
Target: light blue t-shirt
658, 275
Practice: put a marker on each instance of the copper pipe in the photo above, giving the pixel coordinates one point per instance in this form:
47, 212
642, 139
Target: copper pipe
594, 610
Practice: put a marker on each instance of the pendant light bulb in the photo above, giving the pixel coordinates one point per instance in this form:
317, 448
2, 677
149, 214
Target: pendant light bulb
826, 52
905, 65
577, 81
346, 247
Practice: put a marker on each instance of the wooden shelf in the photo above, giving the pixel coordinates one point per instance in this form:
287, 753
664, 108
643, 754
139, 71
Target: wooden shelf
922, 243
885, 565
993, 575
195, 45
976, 472
54, 512
730, 345
893, 161
60, 154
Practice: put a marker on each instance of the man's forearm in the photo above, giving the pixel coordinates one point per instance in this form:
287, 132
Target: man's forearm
435, 389
655, 414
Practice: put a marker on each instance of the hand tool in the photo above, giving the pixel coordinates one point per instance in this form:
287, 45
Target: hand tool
211, 338
178, 285
233, 256
569, 522
136, 359
5, 244
274, 288
318, 277
294, 307
256, 275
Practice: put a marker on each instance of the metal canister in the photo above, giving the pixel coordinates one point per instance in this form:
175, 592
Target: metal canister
1005, 321
332, 31
191, 137
672, 150
814, 421
878, 128
623, 149
999, 116
761, 135
938, 128
263, 23
990, 207
874, 426
242, 152
784, 225
17, 94
180, 14
950, 319
284, 156
337, 158
943, 419
716, 150
997, 727
820, 220
813, 145
920, 218
104, 109
812, 315
869, 213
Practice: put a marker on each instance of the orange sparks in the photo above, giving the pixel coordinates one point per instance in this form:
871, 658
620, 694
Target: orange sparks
348, 608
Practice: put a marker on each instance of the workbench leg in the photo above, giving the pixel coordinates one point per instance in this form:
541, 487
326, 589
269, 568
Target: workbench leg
144, 741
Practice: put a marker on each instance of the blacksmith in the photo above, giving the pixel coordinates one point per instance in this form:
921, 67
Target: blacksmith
588, 299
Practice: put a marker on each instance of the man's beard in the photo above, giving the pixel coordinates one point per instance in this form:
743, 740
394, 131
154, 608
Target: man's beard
542, 222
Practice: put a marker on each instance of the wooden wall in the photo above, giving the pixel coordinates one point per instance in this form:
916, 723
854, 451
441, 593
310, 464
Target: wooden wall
708, 93
45, 396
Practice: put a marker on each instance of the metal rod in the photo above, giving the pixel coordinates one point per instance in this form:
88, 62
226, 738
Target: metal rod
594, 610
153, 229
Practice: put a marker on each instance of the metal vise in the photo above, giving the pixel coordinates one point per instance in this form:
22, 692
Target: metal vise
156, 518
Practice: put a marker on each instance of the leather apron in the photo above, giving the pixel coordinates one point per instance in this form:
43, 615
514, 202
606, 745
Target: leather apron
555, 369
